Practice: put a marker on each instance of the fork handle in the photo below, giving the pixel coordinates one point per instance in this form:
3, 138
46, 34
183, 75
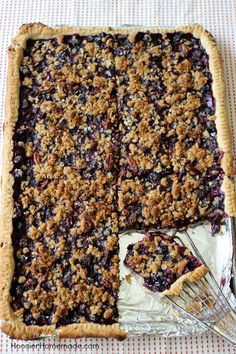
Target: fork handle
226, 327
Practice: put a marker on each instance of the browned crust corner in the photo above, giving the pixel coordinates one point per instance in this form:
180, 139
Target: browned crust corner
193, 276
18, 330
92, 330
41, 31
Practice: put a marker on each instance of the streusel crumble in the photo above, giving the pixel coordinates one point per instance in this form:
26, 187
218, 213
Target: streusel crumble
114, 132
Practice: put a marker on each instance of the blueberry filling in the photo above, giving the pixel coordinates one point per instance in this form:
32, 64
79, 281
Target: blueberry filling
101, 145
65, 152
157, 151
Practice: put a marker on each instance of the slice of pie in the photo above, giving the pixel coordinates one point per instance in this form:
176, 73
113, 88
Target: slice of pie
163, 263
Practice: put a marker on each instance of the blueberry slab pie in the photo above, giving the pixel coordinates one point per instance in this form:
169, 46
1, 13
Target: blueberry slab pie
163, 263
105, 130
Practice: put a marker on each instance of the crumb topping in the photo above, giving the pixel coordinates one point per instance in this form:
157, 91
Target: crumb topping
114, 132
65, 163
168, 153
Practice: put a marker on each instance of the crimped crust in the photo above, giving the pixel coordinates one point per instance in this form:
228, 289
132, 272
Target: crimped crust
193, 276
6, 248
230, 197
13, 326
16, 329
91, 330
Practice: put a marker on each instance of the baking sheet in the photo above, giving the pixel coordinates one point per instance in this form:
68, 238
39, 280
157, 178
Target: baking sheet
143, 312
217, 16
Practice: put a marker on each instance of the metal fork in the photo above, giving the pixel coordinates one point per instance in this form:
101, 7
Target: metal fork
204, 301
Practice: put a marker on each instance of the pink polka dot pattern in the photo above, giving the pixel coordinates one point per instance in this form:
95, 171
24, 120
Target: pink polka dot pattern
219, 17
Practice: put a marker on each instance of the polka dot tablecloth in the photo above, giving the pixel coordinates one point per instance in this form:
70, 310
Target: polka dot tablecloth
219, 17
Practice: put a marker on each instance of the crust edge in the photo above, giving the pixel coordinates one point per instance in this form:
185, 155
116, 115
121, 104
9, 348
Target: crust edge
18, 330
230, 196
6, 249
193, 276
224, 137
80, 330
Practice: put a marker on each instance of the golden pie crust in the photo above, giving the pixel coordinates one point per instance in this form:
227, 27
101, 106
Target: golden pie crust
13, 326
193, 276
